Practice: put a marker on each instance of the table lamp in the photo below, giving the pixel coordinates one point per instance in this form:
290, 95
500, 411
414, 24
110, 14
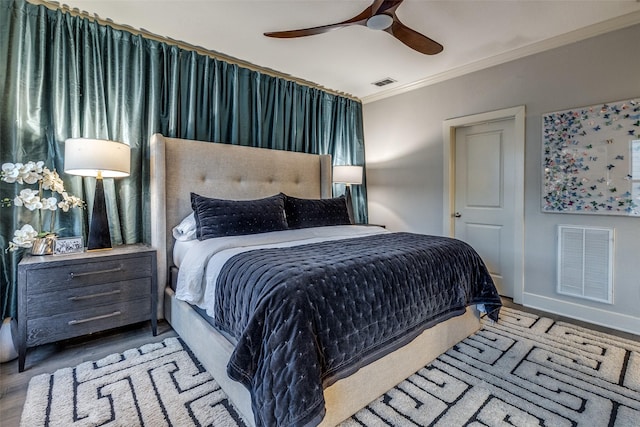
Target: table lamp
101, 159
348, 175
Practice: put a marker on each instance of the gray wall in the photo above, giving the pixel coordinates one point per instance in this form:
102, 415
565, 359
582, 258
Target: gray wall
404, 152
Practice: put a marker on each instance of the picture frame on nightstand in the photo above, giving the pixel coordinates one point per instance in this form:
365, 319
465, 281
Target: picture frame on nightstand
69, 245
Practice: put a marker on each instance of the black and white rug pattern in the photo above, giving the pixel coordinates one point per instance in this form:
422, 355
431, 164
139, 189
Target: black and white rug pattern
524, 370
159, 384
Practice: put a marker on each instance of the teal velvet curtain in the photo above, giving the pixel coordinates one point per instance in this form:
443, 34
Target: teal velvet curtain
66, 77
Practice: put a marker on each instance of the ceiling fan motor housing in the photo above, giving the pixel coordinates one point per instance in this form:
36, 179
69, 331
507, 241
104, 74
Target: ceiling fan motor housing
380, 22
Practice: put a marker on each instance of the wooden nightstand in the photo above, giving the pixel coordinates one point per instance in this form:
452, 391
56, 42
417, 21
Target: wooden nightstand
66, 296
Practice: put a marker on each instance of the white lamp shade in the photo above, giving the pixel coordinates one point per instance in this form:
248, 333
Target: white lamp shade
347, 174
87, 157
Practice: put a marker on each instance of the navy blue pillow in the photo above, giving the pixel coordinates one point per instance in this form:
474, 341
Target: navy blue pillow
218, 217
304, 213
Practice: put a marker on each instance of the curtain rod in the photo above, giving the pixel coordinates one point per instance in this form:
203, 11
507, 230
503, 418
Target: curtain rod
54, 5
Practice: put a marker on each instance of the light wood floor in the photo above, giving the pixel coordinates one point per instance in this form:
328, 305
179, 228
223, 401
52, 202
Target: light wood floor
48, 358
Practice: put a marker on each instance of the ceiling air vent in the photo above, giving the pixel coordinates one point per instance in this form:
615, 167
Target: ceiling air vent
384, 82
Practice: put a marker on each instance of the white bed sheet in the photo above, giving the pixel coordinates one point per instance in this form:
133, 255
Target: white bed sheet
180, 250
200, 262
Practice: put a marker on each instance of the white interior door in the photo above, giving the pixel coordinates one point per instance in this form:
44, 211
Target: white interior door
485, 195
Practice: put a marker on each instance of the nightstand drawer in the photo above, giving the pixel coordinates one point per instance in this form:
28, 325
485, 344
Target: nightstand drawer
46, 304
86, 273
72, 324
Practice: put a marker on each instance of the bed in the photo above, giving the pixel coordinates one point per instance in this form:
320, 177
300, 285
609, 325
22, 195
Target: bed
181, 167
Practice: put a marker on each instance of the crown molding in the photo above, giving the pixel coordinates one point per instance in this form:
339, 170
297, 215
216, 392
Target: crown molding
531, 49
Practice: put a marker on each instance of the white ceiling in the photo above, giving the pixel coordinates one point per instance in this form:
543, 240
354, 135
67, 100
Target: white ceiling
475, 34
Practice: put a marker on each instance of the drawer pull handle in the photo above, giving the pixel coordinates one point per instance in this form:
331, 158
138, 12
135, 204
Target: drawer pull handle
101, 294
91, 319
73, 275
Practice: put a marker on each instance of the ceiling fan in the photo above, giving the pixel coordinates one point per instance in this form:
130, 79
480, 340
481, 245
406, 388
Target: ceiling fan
381, 15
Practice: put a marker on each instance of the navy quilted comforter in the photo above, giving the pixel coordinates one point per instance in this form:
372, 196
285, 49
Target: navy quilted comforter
306, 316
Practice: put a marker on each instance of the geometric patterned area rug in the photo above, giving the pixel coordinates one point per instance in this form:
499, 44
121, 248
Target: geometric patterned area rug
159, 384
523, 370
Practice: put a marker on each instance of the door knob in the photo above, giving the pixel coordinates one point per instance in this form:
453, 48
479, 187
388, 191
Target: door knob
457, 215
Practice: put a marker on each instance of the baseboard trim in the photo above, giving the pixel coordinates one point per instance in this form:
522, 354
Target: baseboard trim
621, 322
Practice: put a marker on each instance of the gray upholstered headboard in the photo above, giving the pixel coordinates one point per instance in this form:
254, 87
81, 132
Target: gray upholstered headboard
181, 166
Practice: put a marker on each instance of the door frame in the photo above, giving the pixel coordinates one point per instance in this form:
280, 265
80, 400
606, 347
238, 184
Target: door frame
449, 136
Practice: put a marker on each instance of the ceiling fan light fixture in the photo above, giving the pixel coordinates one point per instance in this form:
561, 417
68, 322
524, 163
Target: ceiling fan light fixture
379, 22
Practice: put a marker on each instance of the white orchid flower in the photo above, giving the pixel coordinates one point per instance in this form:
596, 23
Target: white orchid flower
69, 202
49, 203
10, 173
23, 238
52, 181
28, 198
30, 172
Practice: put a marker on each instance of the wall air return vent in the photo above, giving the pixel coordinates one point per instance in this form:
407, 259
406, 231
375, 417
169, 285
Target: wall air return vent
384, 82
585, 262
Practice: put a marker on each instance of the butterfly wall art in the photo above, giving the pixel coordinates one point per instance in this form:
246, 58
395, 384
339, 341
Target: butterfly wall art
591, 159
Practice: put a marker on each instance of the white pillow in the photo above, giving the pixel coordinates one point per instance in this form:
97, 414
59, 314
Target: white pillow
186, 230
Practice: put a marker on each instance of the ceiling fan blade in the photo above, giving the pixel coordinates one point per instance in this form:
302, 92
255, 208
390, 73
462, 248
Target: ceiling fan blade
413, 39
306, 31
360, 19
